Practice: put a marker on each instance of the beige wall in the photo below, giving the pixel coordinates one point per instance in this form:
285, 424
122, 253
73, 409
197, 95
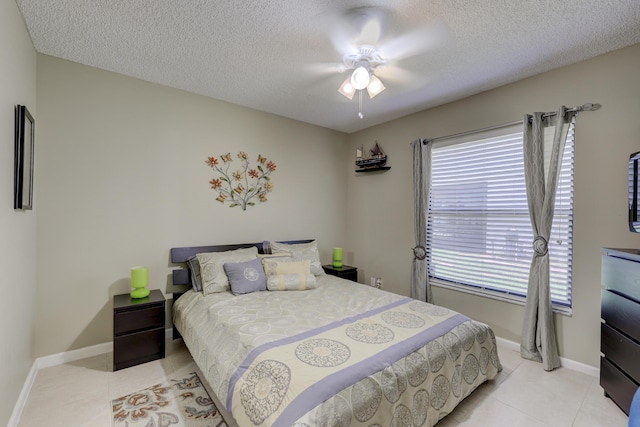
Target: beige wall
17, 228
380, 215
122, 178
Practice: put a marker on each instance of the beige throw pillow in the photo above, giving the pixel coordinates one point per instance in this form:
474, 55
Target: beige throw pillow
288, 275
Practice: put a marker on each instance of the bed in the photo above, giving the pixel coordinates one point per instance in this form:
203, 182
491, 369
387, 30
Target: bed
339, 353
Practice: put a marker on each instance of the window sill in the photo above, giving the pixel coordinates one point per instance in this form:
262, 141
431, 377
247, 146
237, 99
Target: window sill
512, 299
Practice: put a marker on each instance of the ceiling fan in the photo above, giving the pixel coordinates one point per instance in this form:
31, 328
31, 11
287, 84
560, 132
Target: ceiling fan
363, 64
359, 34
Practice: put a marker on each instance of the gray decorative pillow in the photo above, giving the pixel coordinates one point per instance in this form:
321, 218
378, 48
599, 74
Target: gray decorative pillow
214, 278
301, 252
246, 277
196, 279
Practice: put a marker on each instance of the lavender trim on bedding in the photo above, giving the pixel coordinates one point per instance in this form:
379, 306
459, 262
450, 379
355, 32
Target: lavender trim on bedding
327, 387
303, 335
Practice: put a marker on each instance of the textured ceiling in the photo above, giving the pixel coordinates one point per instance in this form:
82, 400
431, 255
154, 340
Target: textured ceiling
282, 56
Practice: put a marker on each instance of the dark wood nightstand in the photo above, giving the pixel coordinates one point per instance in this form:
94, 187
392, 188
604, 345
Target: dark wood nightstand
138, 329
346, 271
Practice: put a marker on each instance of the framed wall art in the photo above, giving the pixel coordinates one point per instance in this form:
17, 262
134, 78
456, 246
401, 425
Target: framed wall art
23, 162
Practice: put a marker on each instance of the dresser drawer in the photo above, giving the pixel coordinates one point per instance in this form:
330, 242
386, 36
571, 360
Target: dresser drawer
138, 319
622, 276
620, 350
617, 385
140, 347
621, 313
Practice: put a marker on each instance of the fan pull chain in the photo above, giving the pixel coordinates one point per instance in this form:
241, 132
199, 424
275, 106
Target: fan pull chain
360, 105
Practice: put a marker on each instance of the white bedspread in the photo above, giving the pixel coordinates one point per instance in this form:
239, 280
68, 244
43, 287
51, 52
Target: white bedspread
221, 331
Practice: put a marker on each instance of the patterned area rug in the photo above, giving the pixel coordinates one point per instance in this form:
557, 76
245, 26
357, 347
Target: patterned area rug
183, 402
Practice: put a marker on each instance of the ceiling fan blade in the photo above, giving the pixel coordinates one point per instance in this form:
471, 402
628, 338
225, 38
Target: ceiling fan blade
394, 74
357, 27
369, 23
326, 68
415, 42
342, 42
400, 80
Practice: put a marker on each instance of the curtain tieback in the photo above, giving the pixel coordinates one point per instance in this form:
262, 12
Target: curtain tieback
540, 246
419, 252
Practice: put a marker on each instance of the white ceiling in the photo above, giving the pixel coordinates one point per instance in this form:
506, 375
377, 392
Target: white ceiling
281, 56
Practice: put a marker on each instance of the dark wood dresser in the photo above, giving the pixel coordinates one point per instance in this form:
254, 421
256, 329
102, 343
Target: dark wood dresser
138, 329
620, 327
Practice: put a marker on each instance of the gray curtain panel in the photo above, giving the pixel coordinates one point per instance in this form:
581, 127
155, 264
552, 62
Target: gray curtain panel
420, 287
539, 340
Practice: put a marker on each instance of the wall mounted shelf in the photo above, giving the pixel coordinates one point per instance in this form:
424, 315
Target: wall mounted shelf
381, 169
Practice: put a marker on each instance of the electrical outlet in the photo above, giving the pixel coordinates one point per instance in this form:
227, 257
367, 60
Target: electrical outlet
376, 282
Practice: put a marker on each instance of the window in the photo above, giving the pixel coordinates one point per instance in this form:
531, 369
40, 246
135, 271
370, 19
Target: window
479, 236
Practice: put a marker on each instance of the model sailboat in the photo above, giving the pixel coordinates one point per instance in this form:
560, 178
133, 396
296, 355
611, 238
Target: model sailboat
376, 158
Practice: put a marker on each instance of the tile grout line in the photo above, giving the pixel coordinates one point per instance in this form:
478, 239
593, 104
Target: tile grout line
586, 395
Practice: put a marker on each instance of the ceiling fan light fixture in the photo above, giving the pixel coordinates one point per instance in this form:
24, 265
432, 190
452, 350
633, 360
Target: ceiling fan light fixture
363, 63
347, 89
375, 86
360, 78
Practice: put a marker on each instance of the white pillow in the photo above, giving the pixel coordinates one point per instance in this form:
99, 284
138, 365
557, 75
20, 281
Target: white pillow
302, 252
214, 278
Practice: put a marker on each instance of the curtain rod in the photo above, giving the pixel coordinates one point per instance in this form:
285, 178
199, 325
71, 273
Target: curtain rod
583, 107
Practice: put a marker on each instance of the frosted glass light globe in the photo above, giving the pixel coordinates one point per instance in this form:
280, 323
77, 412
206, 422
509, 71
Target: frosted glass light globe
360, 78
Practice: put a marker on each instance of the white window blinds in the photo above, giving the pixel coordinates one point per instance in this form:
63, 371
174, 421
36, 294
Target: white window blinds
479, 234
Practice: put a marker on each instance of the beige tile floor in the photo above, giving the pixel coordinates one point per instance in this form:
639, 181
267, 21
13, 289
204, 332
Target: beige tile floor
523, 395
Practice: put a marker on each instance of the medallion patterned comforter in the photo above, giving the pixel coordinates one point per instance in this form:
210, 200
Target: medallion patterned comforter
342, 354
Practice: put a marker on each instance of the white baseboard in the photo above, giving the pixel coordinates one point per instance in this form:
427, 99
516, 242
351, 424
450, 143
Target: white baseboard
73, 355
81, 353
567, 363
580, 367
511, 345
55, 360
24, 394
47, 362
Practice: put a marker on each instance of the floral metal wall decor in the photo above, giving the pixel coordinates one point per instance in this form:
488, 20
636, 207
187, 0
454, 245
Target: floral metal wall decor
242, 185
